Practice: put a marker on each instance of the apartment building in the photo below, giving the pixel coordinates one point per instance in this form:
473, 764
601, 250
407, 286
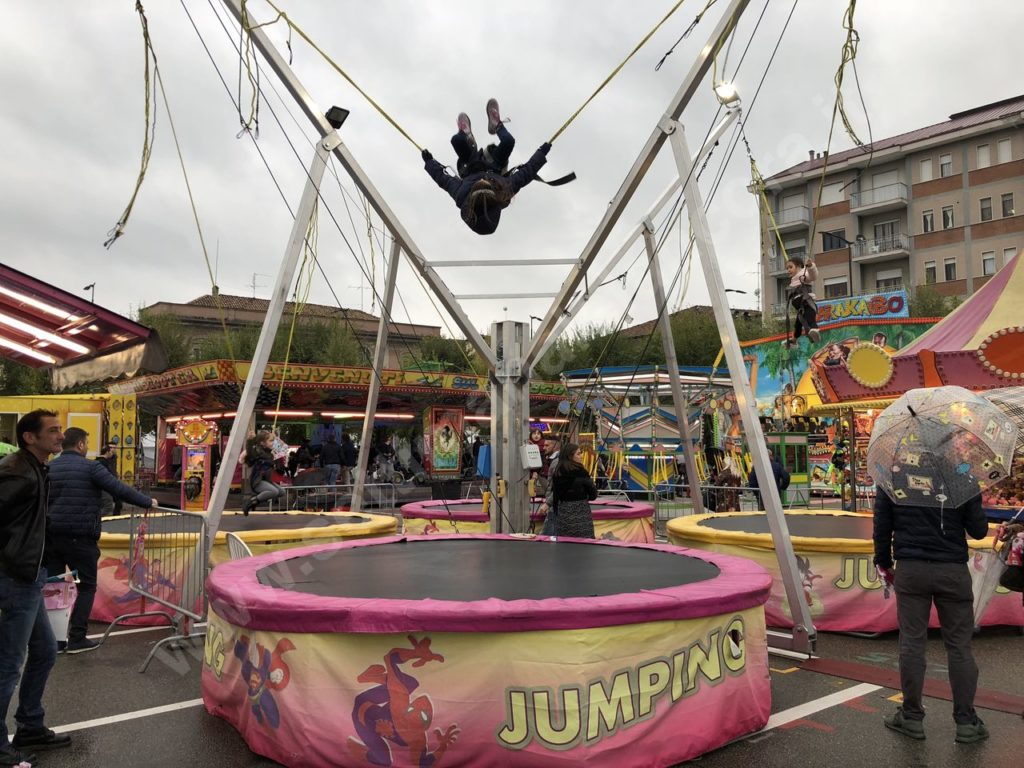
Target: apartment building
935, 206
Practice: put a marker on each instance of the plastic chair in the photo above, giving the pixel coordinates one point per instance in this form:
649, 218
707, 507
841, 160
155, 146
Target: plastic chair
237, 548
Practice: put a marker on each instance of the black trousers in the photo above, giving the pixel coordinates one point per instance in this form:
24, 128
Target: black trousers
806, 315
80, 555
919, 584
493, 158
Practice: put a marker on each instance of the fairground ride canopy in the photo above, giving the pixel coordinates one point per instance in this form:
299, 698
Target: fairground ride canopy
42, 325
216, 385
979, 345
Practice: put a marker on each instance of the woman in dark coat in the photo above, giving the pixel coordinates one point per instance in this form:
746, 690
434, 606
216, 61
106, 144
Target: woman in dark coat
259, 459
482, 190
573, 492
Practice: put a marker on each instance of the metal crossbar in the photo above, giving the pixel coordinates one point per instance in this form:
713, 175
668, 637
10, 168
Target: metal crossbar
167, 566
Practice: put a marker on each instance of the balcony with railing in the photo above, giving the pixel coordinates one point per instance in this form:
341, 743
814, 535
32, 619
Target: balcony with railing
881, 248
884, 198
792, 218
777, 261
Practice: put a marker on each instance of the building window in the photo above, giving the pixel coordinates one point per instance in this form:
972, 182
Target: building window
1008, 204
988, 262
835, 287
947, 217
1008, 253
1003, 153
984, 157
929, 272
831, 241
832, 193
950, 267
926, 170
986, 209
928, 221
889, 280
945, 165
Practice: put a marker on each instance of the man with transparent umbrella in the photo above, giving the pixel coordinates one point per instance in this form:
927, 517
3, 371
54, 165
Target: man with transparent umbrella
932, 453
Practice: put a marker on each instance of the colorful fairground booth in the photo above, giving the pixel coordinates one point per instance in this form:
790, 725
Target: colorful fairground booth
629, 413
42, 326
980, 346
307, 401
819, 440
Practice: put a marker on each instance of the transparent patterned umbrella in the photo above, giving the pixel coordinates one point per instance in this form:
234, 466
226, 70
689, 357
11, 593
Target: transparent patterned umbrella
940, 447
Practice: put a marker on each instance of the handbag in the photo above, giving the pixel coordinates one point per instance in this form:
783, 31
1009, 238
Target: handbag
1012, 577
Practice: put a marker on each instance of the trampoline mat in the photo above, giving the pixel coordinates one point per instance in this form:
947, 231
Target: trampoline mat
235, 523
810, 526
478, 569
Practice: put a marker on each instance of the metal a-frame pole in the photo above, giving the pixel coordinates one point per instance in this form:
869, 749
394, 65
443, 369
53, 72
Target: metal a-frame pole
680, 402
362, 181
275, 308
380, 350
803, 636
570, 313
725, 27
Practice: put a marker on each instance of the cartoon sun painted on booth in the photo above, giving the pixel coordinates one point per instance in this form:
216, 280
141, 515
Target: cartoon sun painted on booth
264, 671
388, 717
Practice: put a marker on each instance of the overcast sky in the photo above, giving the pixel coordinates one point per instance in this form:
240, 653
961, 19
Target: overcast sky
71, 130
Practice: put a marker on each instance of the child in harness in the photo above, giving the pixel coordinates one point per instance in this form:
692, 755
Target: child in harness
802, 275
482, 190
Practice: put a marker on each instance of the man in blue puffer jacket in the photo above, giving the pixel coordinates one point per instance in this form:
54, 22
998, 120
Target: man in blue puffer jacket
73, 524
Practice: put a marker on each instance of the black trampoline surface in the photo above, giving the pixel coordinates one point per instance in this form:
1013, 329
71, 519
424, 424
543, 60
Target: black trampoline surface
811, 526
236, 523
471, 569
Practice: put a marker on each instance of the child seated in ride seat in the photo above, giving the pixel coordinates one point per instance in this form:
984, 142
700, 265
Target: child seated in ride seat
482, 190
802, 275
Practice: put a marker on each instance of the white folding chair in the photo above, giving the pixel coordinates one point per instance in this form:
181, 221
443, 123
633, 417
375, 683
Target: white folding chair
237, 548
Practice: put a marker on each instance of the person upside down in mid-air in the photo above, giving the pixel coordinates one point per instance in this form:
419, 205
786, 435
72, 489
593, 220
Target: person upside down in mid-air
481, 190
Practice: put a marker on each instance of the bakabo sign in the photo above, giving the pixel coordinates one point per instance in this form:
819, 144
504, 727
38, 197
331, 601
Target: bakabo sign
871, 306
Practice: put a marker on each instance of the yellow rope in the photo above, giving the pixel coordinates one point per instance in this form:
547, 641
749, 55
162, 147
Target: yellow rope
148, 133
849, 53
292, 25
151, 54
615, 71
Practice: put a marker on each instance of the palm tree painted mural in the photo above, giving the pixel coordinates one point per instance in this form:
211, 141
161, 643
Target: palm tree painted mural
774, 369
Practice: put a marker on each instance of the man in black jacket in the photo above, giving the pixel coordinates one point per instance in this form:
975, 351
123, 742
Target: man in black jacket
24, 626
73, 532
929, 546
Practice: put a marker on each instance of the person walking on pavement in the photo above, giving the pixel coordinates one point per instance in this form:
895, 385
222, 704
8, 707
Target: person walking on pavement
73, 525
25, 633
929, 547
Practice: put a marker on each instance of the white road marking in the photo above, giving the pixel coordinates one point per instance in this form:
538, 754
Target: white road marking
128, 716
817, 705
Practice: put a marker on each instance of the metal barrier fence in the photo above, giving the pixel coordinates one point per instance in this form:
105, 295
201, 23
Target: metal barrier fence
322, 498
167, 566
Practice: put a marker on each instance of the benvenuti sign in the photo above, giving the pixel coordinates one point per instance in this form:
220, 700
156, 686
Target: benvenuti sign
869, 306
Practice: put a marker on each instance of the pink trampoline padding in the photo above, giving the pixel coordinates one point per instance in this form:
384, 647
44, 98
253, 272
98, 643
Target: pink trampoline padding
463, 510
237, 596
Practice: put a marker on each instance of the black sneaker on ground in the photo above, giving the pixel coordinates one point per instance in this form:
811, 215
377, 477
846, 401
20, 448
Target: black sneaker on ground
62, 645
40, 740
493, 116
897, 722
12, 756
968, 733
81, 646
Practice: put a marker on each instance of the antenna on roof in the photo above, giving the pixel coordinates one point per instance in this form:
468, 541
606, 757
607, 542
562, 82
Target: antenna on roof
254, 284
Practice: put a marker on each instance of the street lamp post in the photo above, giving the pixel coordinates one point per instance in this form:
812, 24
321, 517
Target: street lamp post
92, 296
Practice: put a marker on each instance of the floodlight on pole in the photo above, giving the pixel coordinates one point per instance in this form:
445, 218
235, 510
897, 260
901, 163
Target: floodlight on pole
727, 94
